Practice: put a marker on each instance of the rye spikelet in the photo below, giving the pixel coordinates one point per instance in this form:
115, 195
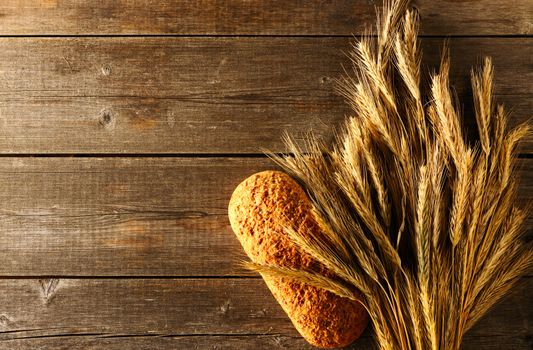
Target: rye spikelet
418, 218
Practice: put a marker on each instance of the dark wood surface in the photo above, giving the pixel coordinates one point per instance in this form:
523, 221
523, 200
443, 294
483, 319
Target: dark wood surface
127, 216
205, 95
125, 125
233, 310
254, 17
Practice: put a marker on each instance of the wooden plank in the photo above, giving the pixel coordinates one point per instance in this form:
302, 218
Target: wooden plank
119, 216
182, 312
203, 95
253, 17
126, 216
231, 342
258, 342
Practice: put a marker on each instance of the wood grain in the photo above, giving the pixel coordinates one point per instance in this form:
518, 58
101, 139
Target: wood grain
127, 216
114, 251
204, 95
230, 342
219, 342
119, 216
183, 312
253, 17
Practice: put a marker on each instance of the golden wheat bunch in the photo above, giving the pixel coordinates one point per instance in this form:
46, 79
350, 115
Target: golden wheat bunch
420, 220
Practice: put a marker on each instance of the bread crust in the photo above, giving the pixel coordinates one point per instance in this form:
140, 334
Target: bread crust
256, 211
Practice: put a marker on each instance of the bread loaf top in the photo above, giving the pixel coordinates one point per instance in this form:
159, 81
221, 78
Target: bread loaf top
260, 209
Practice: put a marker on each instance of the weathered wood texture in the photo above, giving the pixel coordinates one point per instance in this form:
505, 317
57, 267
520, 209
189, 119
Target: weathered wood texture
140, 248
204, 95
230, 342
234, 311
255, 17
126, 216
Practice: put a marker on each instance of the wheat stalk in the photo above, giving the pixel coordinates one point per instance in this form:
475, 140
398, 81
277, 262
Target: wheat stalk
415, 216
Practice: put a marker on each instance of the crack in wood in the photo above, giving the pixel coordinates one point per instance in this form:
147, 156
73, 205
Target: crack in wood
154, 335
48, 289
139, 214
225, 307
5, 321
276, 337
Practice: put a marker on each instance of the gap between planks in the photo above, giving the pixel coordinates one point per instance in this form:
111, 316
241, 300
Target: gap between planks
165, 155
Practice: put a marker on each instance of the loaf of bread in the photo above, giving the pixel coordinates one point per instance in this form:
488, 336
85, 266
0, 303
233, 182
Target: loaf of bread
257, 209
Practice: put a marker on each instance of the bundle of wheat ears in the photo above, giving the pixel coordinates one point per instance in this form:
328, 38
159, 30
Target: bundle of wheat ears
418, 218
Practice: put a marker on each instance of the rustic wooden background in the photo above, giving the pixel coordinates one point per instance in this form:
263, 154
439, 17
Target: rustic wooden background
126, 124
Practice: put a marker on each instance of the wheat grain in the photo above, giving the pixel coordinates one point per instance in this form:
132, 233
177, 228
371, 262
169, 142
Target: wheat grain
421, 220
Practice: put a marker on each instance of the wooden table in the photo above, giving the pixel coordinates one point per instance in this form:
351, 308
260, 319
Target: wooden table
125, 125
